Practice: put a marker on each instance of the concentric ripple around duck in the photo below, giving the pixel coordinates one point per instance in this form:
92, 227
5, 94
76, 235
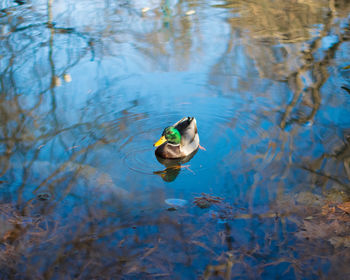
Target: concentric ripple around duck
221, 135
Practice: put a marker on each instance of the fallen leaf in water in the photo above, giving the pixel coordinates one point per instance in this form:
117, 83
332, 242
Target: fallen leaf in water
12, 235
336, 196
190, 12
338, 241
133, 268
67, 78
345, 207
314, 229
338, 212
327, 209
308, 218
206, 200
346, 67
56, 81
309, 198
176, 202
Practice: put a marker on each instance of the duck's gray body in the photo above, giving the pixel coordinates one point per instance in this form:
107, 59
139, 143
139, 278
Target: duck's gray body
188, 144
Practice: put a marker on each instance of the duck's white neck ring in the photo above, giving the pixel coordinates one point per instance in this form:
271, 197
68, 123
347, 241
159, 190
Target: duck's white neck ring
174, 145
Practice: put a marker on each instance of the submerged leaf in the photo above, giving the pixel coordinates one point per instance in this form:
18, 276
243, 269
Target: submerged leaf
67, 78
176, 202
327, 210
314, 229
309, 198
338, 241
56, 81
190, 12
206, 200
345, 207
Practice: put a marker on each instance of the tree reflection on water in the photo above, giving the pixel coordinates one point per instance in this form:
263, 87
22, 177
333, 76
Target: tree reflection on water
84, 85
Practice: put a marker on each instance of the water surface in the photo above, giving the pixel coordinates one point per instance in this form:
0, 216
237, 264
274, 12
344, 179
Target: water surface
88, 86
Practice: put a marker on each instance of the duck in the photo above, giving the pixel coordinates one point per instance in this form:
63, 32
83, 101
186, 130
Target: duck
178, 140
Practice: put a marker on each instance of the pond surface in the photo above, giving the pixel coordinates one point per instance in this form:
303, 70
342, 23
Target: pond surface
88, 86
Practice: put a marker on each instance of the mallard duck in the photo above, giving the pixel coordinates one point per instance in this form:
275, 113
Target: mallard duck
179, 140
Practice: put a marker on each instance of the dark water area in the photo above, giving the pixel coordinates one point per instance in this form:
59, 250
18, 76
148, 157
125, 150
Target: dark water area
88, 86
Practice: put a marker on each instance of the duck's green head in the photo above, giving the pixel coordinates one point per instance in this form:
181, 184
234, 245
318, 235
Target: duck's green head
170, 134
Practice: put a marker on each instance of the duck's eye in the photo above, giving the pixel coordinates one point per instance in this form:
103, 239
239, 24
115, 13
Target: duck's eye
166, 132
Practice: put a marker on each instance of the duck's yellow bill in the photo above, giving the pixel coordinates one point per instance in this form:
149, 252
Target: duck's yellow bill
160, 141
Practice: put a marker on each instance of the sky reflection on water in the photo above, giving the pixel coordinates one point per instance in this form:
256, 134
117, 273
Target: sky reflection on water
88, 86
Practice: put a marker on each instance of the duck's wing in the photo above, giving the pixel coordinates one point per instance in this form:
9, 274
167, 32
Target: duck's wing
182, 124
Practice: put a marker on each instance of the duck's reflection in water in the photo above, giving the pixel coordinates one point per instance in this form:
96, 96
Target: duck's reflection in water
172, 167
